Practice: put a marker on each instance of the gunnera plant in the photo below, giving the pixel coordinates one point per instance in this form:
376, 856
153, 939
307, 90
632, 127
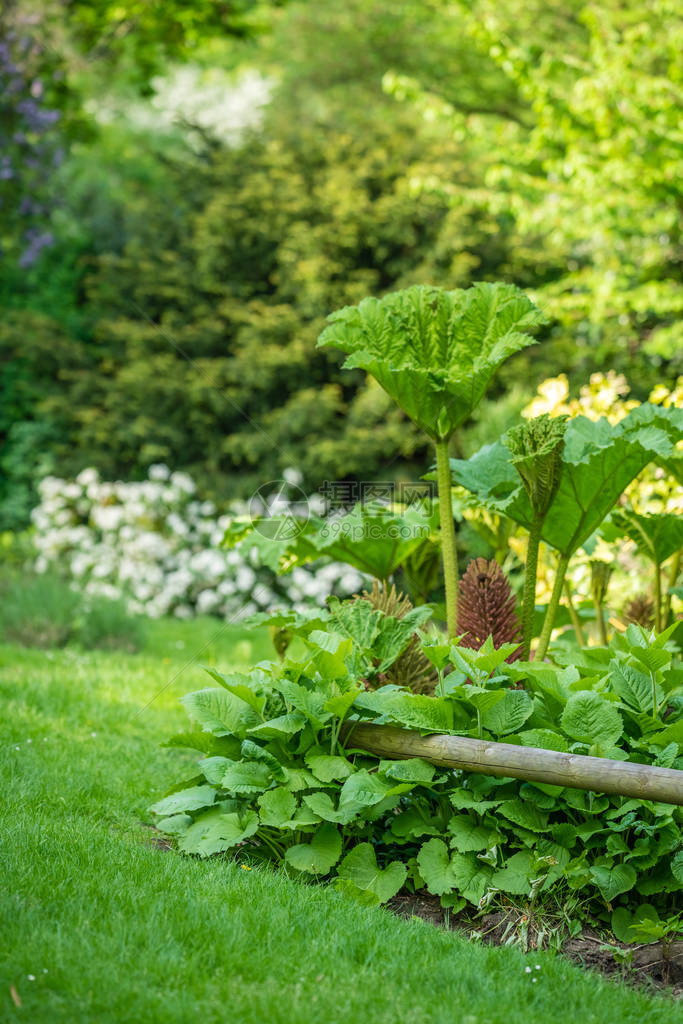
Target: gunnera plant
536, 453
435, 353
412, 668
486, 607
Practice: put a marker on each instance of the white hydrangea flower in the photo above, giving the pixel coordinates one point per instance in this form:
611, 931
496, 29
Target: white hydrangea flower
293, 476
87, 477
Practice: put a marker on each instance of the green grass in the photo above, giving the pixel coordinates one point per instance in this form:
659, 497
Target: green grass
116, 930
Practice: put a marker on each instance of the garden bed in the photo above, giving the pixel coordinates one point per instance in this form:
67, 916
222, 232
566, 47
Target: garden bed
653, 965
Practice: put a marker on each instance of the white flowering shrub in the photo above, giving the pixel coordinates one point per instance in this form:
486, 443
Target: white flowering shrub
155, 544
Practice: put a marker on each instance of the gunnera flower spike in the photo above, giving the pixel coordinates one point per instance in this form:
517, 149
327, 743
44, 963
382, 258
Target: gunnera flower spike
536, 447
486, 607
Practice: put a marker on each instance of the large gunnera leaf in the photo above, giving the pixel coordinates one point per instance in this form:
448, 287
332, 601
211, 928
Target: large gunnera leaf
434, 351
599, 461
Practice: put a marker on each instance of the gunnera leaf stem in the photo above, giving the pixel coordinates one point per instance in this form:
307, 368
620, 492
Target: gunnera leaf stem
551, 612
448, 548
530, 573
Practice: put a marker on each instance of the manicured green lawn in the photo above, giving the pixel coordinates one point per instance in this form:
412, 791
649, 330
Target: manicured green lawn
99, 925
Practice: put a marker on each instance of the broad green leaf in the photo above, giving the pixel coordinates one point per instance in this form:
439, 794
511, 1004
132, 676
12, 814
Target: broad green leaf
413, 769
246, 777
599, 461
357, 620
297, 779
303, 818
320, 855
671, 734
516, 875
321, 804
251, 751
472, 876
328, 768
215, 831
280, 728
657, 537
395, 635
243, 686
431, 714
435, 352
462, 800
330, 651
525, 814
227, 746
437, 653
677, 866
213, 768
545, 739
371, 537
613, 881
185, 800
360, 867
667, 757
626, 925
362, 789
374, 539
485, 660
508, 714
434, 862
220, 712
653, 658
549, 680
341, 703
175, 825
468, 836
308, 702
632, 686
410, 824
276, 806
589, 718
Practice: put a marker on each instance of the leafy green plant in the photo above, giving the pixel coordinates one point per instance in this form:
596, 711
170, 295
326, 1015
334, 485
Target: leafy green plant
599, 461
280, 778
435, 353
370, 537
658, 538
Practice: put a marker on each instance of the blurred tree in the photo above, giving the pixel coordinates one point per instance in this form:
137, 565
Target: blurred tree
591, 172
422, 142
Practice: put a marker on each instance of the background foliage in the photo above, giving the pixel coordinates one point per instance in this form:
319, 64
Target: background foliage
166, 282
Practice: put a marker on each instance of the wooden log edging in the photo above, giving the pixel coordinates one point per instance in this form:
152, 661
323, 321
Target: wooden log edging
506, 760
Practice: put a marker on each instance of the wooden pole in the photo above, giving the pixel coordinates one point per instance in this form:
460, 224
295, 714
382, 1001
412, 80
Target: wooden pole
506, 760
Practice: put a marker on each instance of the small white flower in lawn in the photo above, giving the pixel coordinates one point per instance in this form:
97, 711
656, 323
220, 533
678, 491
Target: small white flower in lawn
534, 980
31, 977
16, 748
527, 970
93, 734
29, 740
538, 967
